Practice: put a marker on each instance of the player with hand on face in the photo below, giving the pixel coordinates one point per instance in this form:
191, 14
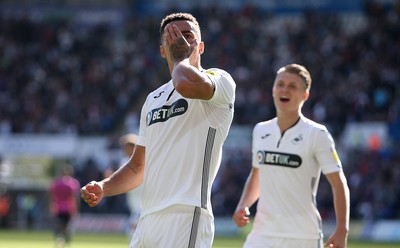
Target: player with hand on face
183, 125
289, 154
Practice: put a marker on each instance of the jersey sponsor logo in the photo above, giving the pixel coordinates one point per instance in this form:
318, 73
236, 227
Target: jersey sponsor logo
278, 159
167, 111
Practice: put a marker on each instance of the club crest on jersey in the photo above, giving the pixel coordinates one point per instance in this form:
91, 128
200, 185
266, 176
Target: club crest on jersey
278, 159
167, 111
297, 139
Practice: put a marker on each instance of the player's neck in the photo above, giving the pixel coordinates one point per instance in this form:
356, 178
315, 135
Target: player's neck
287, 120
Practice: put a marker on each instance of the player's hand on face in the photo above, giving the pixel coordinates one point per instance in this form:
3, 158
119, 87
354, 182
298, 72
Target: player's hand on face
178, 45
241, 216
92, 193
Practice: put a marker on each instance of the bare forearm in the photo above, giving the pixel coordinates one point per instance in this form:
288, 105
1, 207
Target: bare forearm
122, 181
183, 72
249, 197
250, 192
341, 203
191, 83
341, 196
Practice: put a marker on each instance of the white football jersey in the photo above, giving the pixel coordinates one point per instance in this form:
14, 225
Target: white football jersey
290, 165
183, 139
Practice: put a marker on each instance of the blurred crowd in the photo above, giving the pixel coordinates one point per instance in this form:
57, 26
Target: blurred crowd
59, 76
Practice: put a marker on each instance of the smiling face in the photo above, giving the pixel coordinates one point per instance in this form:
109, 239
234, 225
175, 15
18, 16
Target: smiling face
289, 92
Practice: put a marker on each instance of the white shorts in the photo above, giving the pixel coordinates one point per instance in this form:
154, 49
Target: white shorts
259, 241
174, 227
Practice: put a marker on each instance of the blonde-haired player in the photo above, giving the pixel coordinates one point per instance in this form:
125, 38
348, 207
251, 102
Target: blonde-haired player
289, 154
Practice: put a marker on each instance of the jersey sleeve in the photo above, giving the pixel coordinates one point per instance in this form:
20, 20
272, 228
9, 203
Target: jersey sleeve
325, 152
225, 87
141, 141
254, 147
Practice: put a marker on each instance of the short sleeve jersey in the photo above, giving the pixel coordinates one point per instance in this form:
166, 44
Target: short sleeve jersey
65, 191
290, 165
183, 139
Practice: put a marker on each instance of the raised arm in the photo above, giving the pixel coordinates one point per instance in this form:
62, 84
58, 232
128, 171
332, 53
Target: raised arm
190, 82
184, 50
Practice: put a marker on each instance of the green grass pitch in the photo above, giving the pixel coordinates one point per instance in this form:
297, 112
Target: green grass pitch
35, 239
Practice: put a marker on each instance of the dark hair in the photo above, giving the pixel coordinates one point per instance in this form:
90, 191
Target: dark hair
300, 71
67, 170
177, 17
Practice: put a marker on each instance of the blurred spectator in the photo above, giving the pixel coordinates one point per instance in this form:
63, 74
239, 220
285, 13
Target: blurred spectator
27, 210
87, 79
4, 206
60, 76
64, 204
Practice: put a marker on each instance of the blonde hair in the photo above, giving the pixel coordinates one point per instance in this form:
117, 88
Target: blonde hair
300, 71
